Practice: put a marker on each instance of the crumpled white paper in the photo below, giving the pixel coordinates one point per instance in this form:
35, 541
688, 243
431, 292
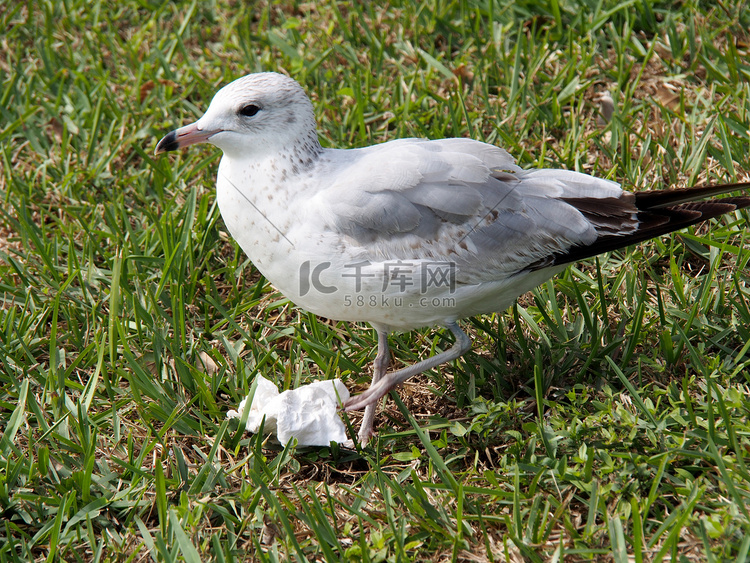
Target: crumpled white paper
308, 413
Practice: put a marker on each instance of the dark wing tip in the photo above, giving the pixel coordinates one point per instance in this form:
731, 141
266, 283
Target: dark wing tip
652, 222
652, 199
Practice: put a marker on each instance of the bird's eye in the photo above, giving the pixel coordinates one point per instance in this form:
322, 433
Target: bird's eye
249, 110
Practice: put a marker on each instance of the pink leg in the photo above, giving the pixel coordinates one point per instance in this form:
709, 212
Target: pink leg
381, 384
380, 366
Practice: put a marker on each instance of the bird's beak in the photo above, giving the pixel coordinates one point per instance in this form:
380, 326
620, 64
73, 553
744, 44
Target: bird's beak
183, 137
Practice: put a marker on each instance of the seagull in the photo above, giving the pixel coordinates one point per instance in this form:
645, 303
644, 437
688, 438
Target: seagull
411, 232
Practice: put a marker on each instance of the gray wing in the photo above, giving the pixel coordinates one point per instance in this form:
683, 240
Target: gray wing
467, 202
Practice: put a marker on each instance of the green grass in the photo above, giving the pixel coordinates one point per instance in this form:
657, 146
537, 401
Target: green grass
605, 417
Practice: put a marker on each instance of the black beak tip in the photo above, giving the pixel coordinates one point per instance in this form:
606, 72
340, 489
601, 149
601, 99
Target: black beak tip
168, 143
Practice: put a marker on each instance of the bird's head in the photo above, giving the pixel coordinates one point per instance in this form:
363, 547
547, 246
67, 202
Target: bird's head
264, 112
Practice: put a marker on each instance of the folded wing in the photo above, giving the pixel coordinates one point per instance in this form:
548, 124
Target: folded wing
467, 202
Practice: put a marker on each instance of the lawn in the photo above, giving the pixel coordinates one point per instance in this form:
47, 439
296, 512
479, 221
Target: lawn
604, 417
